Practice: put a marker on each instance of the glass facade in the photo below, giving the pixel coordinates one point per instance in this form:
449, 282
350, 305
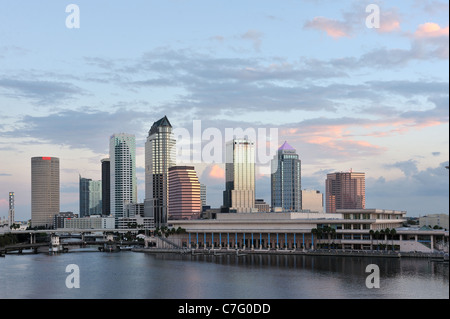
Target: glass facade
90, 197
286, 180
345, 190
160, 155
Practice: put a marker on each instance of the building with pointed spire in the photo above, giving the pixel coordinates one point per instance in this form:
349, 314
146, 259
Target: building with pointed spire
286, 193
159, 157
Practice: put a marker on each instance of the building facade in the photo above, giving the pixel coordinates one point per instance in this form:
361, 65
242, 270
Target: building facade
434, 220
286, 180
345, 190
106, 187
159, 157
45, 192
312, 200
122, 151
239, 194
90, 197
184, 193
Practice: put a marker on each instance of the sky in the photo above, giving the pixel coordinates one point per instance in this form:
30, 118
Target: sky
345, 92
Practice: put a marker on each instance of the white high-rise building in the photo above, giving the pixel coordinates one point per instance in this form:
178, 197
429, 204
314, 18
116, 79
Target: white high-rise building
123, 185
239, 194
160, 155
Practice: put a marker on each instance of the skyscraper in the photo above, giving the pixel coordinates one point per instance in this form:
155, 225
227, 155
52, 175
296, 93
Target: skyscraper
106, 187
122, 155
184, 193
345, 190
90, 197
44, 190
159, 157
239, 194
286, 180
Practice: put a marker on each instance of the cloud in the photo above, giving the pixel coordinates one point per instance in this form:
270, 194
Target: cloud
82, 129
418, 192
42, 92
333, 28
436, 153
431, 30
408, 167
255, 37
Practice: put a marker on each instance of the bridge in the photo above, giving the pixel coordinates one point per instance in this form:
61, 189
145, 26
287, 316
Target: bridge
101, 237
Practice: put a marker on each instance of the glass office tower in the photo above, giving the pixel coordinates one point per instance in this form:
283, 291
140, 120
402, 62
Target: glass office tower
286, 180
159, 157
345, 190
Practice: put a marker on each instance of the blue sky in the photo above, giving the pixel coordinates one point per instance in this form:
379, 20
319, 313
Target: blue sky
345, 96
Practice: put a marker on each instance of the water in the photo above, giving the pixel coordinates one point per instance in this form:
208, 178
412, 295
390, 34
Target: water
127, 275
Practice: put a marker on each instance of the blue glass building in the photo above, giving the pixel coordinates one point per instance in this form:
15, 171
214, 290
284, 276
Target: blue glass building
286, 180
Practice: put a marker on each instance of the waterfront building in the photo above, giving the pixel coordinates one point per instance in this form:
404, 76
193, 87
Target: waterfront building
106, 187
11, 212
58, 220
239, 194
347, 230
159, 157
90, 197
312, 200
184, 193
45, 192
146, 223
286, 180
345, 190
122, 155
262, 206
91, 222
434, 220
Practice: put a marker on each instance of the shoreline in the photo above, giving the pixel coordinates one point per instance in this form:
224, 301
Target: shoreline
280, 252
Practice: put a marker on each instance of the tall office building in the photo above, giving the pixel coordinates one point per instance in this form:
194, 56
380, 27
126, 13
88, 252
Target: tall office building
90, 197
345, 190
122, 155
159, 157
184, 193
239, 194
106, 187
11, 213
286, 180
44, 190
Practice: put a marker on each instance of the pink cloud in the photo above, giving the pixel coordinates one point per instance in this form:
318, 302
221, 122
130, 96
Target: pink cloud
217, 172
333, 28
390, 22
431, 30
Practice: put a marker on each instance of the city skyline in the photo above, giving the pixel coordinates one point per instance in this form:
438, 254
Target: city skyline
345, 96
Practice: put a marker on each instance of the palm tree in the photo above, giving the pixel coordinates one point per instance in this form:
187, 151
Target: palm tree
393, 233
387, 232
371, 232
